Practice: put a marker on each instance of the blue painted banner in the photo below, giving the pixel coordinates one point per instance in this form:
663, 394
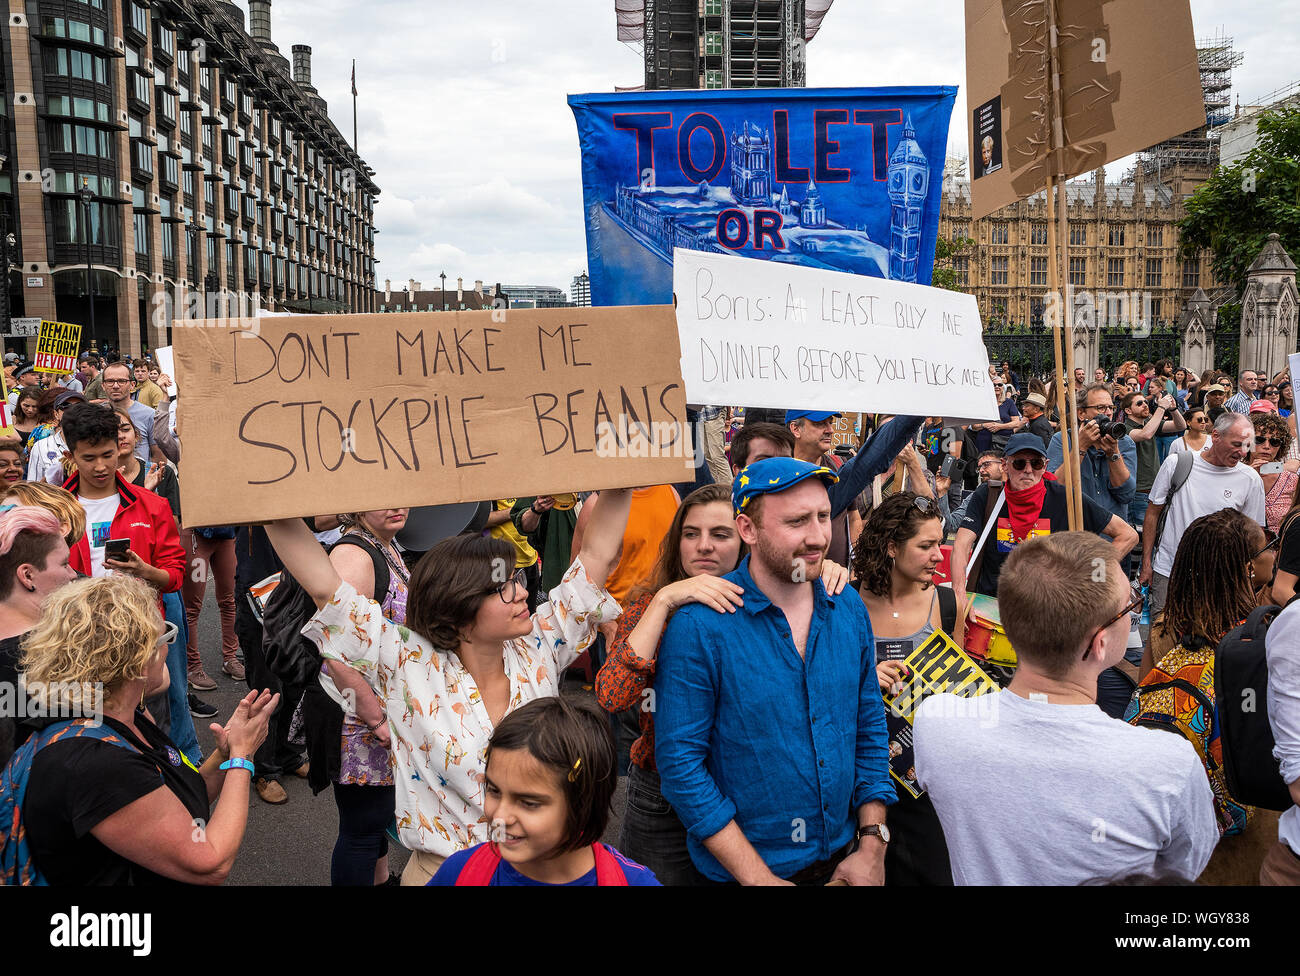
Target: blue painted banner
846, 179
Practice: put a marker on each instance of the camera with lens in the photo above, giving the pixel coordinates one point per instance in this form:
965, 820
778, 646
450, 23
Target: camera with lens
1106, 427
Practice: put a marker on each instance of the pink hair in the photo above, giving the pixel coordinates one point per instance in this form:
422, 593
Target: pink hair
26, 518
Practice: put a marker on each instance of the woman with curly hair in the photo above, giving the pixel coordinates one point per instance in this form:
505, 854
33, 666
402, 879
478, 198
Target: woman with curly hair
894, 560
1272, 441
116, 802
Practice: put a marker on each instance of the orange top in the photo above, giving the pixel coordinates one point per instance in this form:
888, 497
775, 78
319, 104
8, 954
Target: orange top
648, 522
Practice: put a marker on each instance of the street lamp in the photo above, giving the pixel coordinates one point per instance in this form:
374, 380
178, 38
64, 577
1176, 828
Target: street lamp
87, 195
443, 290
192, 230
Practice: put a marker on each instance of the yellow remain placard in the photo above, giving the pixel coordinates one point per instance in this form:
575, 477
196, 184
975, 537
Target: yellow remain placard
56, 347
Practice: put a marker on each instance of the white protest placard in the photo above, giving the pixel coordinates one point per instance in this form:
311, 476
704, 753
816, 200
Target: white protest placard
1293, 367
769, 334
166, 359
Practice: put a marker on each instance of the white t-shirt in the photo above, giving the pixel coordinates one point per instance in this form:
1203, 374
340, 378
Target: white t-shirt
100, 513
1282, 645
1209, 489
1032, 793
1180, 446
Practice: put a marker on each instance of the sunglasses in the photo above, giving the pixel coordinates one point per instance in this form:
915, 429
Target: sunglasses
168, 636
923, 504
1036, 463
1272, 541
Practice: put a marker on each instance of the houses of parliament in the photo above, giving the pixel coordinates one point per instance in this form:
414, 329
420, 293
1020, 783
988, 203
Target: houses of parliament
1123, 238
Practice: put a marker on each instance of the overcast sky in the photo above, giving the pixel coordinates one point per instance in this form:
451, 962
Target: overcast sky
462, 110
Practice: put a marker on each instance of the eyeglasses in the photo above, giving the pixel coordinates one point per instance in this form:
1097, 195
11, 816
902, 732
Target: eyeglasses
115, 382
1036, 463
1139, 403
168, 636
1272, 541
1133, 606
512, 586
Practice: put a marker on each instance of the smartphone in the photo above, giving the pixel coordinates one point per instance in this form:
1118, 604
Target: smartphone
117, 548
952, 468
844, 450
1273, 467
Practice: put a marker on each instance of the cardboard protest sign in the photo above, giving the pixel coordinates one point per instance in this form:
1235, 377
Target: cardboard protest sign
1129, 79
846, 431
768, 334
56, 347
323, 414
938, 666
6, 419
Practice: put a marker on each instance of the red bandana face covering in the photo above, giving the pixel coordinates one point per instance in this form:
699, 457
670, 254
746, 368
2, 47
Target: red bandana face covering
1025, 505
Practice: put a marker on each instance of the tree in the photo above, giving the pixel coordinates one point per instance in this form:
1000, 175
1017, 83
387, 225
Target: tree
945, 276
1233, 212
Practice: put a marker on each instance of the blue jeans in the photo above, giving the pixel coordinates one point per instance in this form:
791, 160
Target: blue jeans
1137, 509
182, 724
364, 815
652, 835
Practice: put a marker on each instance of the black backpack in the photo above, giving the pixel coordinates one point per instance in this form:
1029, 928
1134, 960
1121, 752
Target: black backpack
1241, 695
291, 657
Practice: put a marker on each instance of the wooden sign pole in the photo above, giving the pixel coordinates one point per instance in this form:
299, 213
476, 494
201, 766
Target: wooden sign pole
1065, 352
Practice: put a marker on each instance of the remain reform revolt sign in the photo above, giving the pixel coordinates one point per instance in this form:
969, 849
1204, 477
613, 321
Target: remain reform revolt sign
306, 415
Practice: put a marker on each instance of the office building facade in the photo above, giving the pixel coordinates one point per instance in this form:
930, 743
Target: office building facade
184, 158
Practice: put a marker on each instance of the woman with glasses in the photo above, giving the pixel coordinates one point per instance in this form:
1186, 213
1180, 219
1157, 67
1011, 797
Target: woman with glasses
1211, 590
1272, 441
468, 653
894, 561
1197, 437
117, 803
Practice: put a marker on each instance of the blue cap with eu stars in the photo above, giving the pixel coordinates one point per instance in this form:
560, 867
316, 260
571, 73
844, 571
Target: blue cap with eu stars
774, 474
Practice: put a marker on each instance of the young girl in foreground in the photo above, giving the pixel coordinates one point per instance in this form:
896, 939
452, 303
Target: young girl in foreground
550, 777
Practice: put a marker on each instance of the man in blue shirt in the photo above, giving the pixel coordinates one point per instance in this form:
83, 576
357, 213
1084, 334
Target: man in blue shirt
770, 730
1107, 466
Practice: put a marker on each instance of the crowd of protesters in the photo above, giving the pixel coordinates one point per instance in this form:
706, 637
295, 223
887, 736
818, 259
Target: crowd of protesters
720, 649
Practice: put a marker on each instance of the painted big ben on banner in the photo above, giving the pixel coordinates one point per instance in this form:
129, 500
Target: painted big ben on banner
839, 179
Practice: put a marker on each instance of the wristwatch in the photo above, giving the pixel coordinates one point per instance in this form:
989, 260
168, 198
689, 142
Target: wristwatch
872, 830
1113, 457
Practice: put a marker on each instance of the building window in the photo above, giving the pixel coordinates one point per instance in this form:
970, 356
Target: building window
168, 242
1153, 272
1155, 236
141, 222
140, 19
77, 30
1155, 309
140, 88
1038, 233
998, 275
75, 64
713, 42
1114, 272
1078, 269
1192, 274
80, 139
166, 40
1115, 235
998, 233
1038, 271
961, 269
171, 171
142, 157
167, 106
712, 8
1078, 234
69, 223
82, 108
187, 124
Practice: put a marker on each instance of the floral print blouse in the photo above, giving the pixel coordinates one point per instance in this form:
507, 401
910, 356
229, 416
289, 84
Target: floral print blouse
439, 724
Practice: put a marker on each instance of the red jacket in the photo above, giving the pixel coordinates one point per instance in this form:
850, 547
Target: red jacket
145, 519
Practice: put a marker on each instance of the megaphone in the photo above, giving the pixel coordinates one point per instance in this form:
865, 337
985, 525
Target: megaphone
428, 525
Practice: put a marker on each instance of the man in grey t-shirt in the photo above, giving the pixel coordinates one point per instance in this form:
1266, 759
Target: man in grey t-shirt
1035, 784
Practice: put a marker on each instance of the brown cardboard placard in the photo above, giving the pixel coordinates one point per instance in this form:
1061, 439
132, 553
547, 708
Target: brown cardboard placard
1129, 80
312, 415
